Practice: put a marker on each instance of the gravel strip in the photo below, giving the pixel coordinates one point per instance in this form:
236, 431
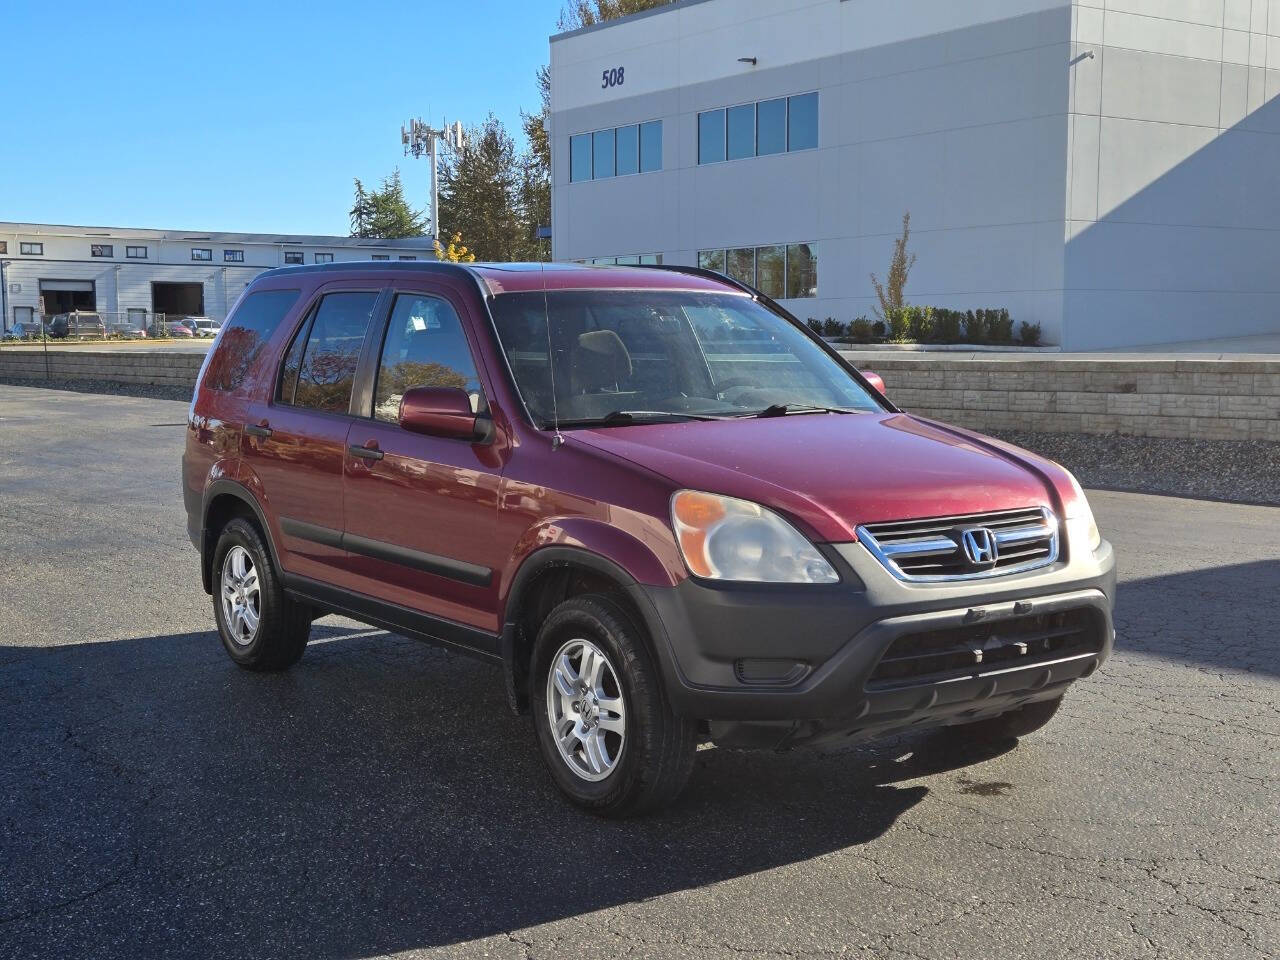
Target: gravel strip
110, 387
1240, 471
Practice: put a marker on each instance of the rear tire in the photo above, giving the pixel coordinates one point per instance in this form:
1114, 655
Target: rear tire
1008, 726
606, 731
260, 627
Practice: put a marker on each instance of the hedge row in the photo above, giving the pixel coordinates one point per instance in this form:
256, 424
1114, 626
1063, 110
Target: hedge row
931, 325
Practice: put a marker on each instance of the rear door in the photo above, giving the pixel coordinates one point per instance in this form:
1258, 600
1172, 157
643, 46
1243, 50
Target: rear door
421, 517
295, 444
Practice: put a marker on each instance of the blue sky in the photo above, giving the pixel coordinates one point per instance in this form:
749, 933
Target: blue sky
228, 115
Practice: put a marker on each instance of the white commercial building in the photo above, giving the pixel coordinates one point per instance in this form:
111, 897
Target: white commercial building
128, 275
1105, 168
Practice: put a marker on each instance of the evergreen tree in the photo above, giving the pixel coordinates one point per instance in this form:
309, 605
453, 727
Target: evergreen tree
480, 195
384, 213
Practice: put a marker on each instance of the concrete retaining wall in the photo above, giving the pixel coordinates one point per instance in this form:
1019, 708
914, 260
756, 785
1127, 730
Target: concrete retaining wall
1196, 399
1193, 399
154, 367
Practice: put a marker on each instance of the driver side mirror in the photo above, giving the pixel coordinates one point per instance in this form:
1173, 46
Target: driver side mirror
440, 412
875, 380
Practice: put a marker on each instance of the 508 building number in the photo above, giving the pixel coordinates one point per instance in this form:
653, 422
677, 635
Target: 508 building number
612, 78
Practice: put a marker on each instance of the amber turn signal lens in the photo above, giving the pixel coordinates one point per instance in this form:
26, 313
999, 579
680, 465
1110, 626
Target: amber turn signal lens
698, 510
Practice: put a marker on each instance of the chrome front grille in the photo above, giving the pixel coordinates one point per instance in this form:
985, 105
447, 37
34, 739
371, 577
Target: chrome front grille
935, 550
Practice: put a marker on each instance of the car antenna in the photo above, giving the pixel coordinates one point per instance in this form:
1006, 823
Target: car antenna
557, 440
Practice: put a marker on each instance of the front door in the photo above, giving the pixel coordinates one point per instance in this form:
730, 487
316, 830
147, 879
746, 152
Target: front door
296, 445
421, 518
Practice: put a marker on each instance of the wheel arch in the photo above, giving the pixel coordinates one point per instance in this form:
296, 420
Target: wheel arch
223, 501
549, 576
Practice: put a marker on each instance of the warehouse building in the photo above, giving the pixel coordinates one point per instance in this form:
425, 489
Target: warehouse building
1104, 169
129, 276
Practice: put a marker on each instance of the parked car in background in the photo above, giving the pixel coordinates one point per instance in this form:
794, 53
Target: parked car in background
662, 506
178, 329
202, 326
24, 330
77, 324
127, 331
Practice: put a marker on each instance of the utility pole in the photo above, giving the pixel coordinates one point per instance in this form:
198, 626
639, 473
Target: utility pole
418, 138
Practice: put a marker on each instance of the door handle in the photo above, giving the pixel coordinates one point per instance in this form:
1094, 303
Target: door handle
365, 453
258, 430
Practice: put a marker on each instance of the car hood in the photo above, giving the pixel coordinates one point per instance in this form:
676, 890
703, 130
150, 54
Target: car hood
832, 472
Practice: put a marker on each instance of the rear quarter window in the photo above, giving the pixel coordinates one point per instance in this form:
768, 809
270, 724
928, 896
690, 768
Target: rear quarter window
244, 335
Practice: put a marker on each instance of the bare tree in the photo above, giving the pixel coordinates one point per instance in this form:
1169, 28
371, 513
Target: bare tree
892, 293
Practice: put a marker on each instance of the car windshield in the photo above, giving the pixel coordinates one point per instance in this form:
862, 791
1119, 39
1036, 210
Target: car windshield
624, 357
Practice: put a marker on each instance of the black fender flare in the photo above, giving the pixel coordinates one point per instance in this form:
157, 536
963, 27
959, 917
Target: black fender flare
225, 487
551, 557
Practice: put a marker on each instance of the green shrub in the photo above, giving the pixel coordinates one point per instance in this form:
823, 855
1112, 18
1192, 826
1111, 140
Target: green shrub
975, 328
878, 329
815, 325
999, 326
831, 327
900, 324
1029, 334
920, 324
860, 330
946, 324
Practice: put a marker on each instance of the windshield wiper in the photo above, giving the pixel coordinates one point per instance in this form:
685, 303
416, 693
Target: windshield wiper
623, 418
785, 409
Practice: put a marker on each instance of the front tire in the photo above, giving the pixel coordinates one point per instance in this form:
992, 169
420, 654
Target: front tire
260, 627
604, 726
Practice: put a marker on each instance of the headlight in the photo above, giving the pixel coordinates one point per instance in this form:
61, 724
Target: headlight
722, 538
1081, 527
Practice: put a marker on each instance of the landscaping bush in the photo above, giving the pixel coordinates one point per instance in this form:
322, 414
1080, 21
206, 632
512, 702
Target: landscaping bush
878, 329
920, 324
999, 326
1029, 334
975, 326
860, 330
900, 324
815, 325
831, 327
947, 324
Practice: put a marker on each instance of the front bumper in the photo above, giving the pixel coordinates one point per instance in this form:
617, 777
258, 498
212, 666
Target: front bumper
776, 665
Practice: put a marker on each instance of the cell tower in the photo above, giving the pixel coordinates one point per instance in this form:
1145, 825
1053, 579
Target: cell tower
419, 138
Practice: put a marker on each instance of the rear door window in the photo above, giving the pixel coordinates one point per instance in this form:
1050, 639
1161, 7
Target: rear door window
320, 370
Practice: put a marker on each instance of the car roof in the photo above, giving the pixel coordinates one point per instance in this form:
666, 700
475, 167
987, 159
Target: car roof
501, 278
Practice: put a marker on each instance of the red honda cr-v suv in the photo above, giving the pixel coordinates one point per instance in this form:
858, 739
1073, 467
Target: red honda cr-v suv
658, 503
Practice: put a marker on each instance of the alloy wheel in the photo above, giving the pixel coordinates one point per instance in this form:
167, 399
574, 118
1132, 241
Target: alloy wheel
586, 710
241, 595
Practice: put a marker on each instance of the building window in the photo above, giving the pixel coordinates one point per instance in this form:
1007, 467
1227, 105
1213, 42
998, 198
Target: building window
201, 253
4, 246
293, 256
101, 250
616, 152
233, 256
711, 136
782, 272
31, 249
136, 253
758, 129
641, 258
324, 258
381, 256
408, 258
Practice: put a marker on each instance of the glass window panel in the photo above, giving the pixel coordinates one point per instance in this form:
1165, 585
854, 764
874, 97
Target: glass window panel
628, 150
328, 368
628, 261
651, 258
802, 122
770, 271
425, 346
711, 136
742, 131
802, 270
651, 146
711, 260
580, 158
602, 157
742, 265
771, 127
246, 333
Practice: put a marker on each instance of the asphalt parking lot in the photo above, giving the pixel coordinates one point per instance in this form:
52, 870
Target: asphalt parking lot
380, 800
